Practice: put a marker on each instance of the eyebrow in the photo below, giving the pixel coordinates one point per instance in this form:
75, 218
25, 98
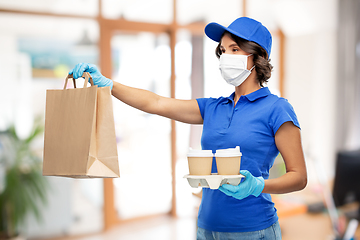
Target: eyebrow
232, 45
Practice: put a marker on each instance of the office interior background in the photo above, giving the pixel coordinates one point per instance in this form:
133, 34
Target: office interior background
160, 45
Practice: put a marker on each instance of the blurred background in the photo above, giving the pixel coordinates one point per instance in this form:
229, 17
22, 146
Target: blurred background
160, 45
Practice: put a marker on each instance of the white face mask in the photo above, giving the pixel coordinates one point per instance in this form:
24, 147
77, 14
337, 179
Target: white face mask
233, 68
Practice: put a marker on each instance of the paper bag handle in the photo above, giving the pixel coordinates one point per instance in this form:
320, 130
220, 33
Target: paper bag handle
85, 75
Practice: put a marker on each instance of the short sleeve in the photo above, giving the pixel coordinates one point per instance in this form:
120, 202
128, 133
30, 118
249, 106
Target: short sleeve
202, 103
282, 112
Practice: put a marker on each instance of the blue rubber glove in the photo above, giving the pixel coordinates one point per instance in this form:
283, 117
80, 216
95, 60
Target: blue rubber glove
250, 186
98, 79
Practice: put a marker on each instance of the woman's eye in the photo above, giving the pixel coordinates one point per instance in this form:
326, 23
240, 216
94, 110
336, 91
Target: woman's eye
235, 50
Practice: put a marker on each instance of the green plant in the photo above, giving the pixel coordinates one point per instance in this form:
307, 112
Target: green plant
23, 184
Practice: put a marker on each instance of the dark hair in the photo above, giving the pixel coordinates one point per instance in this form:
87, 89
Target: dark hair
262, 63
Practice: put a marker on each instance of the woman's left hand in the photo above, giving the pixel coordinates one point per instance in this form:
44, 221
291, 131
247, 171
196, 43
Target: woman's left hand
250, 186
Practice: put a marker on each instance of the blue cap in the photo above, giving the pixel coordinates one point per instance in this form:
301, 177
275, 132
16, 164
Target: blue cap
243, 27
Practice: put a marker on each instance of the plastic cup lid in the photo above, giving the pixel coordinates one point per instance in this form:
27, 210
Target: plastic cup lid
200, 153
229, 152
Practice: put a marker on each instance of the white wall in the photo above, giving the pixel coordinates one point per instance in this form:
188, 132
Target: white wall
57, 216
311, 76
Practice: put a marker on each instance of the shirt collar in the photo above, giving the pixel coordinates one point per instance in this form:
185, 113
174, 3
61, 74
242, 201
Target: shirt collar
262, 92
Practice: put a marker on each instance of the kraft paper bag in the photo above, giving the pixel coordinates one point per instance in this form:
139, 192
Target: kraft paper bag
80, 139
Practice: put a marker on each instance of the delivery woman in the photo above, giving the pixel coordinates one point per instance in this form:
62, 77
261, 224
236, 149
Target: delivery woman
261, 123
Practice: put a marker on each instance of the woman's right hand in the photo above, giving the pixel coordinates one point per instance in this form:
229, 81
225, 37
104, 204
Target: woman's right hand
97, 77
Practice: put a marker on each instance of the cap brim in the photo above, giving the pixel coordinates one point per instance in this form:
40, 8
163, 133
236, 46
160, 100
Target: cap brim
215, 31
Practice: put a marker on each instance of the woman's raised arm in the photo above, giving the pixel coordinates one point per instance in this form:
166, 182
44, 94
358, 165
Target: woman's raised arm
186, 111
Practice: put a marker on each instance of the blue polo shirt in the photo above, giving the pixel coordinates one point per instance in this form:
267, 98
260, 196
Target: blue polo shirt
252, 125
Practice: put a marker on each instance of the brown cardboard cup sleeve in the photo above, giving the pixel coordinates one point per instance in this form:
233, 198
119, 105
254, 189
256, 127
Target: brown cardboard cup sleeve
80, 139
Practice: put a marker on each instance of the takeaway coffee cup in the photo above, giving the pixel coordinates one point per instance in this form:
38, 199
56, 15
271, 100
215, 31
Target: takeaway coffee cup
228, 161
200, 162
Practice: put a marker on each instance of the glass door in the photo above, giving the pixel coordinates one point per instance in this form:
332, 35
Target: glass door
142, 60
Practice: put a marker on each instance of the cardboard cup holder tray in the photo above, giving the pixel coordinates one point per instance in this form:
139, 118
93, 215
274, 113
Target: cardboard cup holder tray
213, 181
